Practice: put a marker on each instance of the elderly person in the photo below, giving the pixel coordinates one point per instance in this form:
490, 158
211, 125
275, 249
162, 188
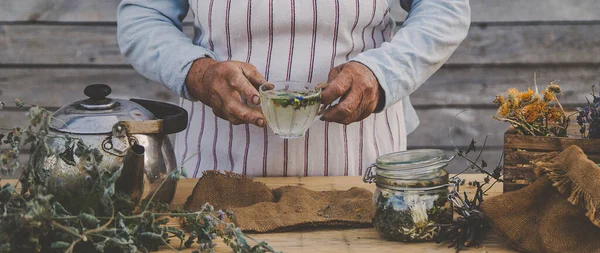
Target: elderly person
240, 44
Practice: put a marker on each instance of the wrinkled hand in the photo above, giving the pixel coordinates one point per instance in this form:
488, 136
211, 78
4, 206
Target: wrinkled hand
358, 90
221, 85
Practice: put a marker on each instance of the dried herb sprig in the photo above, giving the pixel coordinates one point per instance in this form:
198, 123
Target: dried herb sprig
297, 100
588, 117
31, 220
469, 228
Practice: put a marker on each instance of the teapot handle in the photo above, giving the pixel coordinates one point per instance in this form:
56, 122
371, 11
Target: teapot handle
174, 117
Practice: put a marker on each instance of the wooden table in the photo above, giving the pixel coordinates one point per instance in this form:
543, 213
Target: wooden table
339, 240
342, 240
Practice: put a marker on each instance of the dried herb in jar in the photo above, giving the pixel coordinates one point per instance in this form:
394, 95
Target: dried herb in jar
411, 217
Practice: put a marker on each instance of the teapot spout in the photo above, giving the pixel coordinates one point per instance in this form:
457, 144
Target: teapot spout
131, 181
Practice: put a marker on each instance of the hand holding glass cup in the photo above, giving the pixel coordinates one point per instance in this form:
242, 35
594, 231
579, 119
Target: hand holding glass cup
290, 108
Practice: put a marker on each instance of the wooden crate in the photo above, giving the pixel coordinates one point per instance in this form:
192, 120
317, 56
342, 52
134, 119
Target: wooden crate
520, 151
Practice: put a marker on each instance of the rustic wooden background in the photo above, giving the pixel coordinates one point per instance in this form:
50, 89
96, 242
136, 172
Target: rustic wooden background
51, 49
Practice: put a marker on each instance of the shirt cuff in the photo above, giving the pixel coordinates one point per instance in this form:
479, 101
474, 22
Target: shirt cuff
177, 66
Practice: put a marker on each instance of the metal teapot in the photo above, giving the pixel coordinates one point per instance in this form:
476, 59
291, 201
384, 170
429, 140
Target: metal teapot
130, 134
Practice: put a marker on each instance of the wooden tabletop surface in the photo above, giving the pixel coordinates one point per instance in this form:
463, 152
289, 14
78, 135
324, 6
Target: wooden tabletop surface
338, 240
342, 240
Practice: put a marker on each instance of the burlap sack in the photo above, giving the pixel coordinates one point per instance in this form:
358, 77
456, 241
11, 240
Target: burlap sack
256, 208
225, 191
557, 213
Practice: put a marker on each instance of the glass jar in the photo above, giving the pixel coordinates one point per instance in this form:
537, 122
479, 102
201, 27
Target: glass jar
411, 200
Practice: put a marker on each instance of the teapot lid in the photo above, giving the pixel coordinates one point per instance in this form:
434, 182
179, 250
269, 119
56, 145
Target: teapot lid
97, 114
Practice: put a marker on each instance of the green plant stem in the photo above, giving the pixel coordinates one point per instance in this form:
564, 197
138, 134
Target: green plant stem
476, 159
154, 194
69, 218
489, 188
189, 158
164, 181
516, 124
171, 247
131, 217
560, 105
69, 231
103, 226
70, 249
462, 171
100, 235
62, 122
452, 126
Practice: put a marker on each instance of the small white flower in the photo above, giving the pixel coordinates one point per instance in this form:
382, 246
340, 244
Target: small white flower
418, 211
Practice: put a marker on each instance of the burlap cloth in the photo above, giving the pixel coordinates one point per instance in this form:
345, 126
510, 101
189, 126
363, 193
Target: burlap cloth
558, 212
256, 208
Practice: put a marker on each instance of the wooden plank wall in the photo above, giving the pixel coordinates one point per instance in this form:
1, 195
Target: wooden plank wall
50, 50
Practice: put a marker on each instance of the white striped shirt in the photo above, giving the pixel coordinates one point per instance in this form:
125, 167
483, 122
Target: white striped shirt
294, 40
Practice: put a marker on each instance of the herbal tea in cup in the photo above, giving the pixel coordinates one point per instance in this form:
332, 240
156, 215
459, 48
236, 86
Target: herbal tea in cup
289, 107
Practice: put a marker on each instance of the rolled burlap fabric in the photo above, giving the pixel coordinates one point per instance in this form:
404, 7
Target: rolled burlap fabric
256, 208
558, 213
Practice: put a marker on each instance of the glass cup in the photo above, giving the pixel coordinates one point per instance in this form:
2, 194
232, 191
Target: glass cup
290, 108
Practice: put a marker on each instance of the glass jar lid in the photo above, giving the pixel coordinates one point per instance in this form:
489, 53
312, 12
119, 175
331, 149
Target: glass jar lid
419, 168
411, 159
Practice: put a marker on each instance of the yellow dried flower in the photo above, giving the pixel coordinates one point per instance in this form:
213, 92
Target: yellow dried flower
513, 101
555, 114
503, 110
554, 88
526, 96
551, 92
532, 112
549, 96
499, 101
512, 91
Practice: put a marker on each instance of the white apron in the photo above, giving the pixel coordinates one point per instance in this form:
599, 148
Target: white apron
295, 40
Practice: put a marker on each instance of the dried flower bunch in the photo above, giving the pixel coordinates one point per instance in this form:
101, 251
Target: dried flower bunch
532, 113
31, 220
588, 117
